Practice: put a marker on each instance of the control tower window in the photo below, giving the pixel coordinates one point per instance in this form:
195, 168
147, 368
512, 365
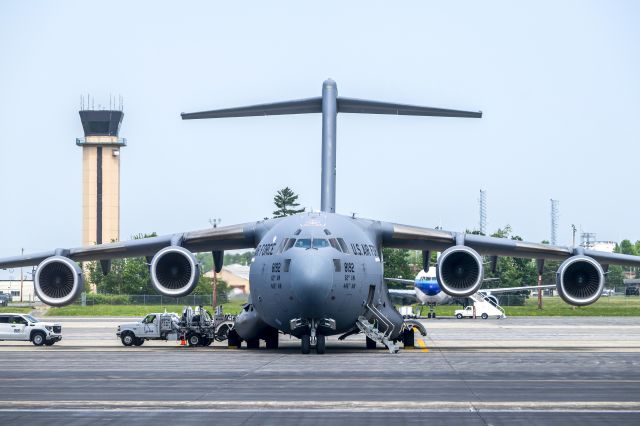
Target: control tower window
98, 127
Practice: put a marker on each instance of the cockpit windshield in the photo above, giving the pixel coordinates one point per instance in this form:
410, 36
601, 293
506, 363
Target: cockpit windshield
319, 243
304, 243
309, 243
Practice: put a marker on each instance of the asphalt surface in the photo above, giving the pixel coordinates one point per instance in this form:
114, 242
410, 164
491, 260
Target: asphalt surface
518, 370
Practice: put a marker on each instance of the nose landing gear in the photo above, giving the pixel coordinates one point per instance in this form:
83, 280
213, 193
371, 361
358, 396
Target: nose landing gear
305, 344
306, 340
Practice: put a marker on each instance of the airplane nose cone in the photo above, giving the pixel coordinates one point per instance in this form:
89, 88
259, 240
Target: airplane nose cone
311, 279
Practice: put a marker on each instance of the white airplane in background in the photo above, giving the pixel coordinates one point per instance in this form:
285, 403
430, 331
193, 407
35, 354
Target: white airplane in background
427, 291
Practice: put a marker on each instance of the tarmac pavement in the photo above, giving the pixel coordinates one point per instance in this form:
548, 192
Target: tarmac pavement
518, 370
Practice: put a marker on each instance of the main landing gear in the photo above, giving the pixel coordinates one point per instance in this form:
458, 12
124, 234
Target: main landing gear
432, 312
270, 336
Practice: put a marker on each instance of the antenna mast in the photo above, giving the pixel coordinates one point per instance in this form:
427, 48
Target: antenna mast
554, 221
483, 212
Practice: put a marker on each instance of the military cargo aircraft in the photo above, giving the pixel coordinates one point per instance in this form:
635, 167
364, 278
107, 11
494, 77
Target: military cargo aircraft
317, 274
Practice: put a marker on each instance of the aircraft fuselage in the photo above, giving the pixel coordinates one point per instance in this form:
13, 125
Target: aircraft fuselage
317, 269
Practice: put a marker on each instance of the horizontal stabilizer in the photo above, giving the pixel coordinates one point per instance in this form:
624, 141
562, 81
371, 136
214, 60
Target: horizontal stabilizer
301, 106
361, 106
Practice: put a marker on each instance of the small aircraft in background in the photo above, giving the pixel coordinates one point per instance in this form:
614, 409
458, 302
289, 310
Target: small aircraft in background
427, 291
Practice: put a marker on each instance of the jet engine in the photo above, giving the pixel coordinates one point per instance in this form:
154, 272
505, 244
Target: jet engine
580, 280
459, 271
174, 271
58, 281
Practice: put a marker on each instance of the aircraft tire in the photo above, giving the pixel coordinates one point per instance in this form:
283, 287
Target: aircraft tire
305, 344
253, 343
433, 315
233, 339
321, 344
272, 339
371, 344
408, 338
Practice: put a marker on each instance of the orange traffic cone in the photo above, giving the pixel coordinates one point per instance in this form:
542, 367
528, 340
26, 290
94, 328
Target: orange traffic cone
183, 342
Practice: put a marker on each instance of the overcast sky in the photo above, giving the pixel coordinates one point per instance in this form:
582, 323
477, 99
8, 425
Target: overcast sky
558, 83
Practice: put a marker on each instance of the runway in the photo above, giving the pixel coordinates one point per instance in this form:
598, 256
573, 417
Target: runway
519, 370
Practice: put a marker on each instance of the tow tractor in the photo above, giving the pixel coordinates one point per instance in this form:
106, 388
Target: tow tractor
196, 326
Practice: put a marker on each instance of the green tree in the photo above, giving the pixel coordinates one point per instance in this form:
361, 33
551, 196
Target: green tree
626, 247
126, 276
550, 269
396, 264
204, 287
239, 258
206, 260
512, 272
286, 202
614, 278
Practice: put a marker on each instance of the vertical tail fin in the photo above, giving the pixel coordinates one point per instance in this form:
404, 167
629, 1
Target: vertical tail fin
330, 105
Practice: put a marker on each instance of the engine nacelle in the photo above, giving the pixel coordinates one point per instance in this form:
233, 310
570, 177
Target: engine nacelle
174, 271
459, 271
58, 281
580, 280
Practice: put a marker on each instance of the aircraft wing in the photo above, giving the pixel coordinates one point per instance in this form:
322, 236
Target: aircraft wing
510, 289
401, 281
231, 237
403, 293
416, 238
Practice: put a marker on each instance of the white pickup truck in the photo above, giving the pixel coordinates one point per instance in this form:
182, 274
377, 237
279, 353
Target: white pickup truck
23, 327
157, 326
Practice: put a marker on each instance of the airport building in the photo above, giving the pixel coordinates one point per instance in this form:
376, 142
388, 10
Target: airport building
236, 276
607, 246
101, 148
20, 291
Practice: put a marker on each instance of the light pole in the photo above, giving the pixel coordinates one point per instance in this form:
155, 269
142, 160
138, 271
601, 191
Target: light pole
21, 280
214, 281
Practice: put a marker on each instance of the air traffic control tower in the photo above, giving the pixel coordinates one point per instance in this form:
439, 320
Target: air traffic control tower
101, 175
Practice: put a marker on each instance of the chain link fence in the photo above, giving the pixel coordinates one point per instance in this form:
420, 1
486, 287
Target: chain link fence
90, 299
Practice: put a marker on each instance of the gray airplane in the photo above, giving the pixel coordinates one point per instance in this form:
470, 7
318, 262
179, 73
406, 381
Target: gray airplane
321, 273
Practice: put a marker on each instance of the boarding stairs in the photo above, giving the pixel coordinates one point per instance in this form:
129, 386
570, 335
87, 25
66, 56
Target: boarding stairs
371, 331
488, 303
